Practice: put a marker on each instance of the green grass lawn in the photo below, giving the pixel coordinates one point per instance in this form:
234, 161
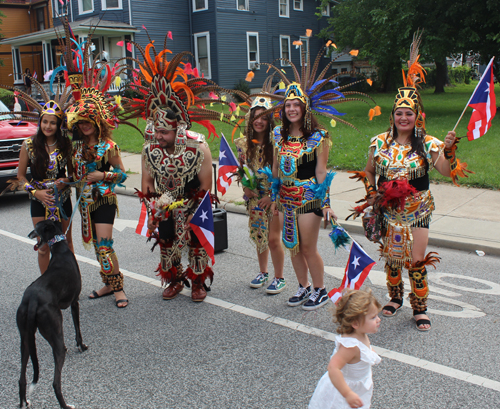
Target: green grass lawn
350, 147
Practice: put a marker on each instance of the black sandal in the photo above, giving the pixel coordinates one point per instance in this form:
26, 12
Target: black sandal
389, 308
94, 295
421, 321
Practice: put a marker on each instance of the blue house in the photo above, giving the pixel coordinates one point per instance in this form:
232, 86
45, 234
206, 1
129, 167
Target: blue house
227, 38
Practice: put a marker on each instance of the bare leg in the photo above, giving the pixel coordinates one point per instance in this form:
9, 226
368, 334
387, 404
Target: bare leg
277, 252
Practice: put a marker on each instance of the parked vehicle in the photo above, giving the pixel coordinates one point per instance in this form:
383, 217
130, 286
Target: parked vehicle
12, 134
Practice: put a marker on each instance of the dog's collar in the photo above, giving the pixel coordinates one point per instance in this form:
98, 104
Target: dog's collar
57, 238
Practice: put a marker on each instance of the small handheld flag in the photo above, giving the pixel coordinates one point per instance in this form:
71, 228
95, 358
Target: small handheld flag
202, 224
483, 102
228, 165
357, 269
142, 225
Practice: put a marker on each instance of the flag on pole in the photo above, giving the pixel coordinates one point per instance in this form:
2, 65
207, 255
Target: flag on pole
142, 226
35, 75
228, 164
202, 224
483, 102
357, 269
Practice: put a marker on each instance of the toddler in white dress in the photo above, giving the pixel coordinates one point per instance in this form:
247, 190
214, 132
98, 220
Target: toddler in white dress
348, 381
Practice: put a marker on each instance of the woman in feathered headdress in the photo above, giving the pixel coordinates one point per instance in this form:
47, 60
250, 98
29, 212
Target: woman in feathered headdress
402, 158
255, 153
48, 156
301, 182
97, 163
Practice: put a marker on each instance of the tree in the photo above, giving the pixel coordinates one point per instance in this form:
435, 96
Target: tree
383, 30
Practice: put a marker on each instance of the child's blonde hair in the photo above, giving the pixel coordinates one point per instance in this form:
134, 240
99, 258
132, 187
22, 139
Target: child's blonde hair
353, 306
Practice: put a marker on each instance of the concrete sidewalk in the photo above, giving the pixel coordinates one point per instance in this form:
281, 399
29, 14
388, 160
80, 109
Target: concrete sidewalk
465, 218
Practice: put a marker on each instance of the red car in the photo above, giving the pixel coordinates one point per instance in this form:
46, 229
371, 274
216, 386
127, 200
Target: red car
12, 134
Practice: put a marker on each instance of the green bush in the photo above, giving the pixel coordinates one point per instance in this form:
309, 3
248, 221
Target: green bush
460, 75
242, 86
7, 97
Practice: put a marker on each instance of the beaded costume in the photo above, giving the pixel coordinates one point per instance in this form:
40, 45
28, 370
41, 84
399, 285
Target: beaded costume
168, 98
394, 161
258, 222
56, 169
299, 191
93, 195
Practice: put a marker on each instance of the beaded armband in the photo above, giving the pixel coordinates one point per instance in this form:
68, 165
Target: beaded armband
361, 176
457, 168
274, 182
115, 177
30, 188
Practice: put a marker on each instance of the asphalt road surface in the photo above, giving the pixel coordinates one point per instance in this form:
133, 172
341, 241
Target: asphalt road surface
242, 348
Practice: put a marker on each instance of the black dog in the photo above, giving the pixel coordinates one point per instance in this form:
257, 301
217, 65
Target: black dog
57, 289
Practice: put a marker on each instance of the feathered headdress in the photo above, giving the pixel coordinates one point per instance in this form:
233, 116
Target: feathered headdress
408, 96
89, 82
168, 93
312, 89
53, 106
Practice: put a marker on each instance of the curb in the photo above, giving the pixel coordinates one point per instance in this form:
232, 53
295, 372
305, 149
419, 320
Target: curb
435, 238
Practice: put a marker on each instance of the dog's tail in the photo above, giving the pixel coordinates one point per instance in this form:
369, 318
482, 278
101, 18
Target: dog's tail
30, 331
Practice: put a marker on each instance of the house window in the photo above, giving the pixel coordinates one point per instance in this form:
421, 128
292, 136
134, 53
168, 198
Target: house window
16, 64
335, 70
202, 53
199, 5
242, 5
40, 18
285, 50
253, 50
297, 5
304, 48
343, 70
60, 9
284, 8
85, 6
111, 4
325, 10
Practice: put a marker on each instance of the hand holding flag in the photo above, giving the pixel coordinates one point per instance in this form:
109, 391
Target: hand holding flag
228, 165
357, 269
202, 224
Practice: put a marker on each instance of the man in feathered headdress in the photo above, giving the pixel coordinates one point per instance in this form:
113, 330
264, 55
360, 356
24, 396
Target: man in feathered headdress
177, 163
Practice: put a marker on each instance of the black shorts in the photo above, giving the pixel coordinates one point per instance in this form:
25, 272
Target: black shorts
317, 212
38, 209
104, 214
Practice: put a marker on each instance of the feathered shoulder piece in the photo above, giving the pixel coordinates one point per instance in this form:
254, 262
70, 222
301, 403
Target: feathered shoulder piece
319, 92
176, 86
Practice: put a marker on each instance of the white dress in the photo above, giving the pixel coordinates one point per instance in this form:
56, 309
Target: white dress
358, 377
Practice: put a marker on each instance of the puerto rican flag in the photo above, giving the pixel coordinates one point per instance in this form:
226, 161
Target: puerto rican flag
357, 269
483, 102
142, 226
228, 164
202, 224
35, 75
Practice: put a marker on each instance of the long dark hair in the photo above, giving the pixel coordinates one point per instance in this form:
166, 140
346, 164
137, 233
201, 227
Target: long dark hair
268, 143
41, 161
285, 128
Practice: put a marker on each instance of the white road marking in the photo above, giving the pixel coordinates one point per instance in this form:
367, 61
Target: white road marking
329, 336
377, 278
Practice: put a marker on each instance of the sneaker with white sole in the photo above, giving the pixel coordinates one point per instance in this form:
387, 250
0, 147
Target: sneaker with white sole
277, 286
317, 298
260, 280
300, 297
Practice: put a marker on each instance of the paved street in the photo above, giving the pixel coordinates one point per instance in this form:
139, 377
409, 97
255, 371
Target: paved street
242, 348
